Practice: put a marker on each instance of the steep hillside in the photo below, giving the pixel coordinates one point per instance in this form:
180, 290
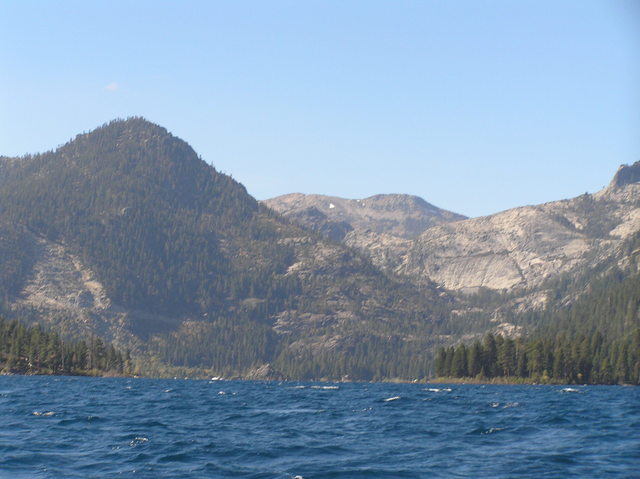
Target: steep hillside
130, 235
528, 271
583, 310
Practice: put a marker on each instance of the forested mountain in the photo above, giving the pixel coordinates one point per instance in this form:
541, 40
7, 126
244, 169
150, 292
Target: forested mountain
126, 233
593, 340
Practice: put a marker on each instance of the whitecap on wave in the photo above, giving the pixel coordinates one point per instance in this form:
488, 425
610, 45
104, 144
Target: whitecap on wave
493, 430
138, 440
570, 390
505, 405
394, 398
43, 413
438, 390
325, 387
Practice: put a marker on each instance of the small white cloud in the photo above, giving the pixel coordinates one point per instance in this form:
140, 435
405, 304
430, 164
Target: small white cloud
113, 86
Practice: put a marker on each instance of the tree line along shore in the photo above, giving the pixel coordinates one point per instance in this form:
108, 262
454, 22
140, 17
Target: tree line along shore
33, 350
583, 359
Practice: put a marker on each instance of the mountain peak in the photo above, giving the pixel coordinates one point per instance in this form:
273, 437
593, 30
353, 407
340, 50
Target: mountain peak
132, 143
134, 129
135, 123
400, 215
395, 202
626, 175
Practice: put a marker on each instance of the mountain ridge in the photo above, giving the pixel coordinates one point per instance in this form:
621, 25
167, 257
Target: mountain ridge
126, 233
525, 246
139, 240
379, 213
381, 226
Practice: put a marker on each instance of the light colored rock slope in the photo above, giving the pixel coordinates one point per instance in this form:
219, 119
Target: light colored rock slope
65, 292
381, 226
519, 248
404, 216
525, 246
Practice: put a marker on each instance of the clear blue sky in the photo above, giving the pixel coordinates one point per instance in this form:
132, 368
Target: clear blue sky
477, 106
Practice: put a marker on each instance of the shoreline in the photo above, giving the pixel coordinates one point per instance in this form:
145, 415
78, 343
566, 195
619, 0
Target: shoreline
500, 381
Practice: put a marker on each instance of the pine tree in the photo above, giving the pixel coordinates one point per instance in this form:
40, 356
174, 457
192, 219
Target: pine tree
459, 362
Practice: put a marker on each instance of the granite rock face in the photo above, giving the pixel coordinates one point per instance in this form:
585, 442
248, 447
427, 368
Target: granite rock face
523, 247
64, 292
626, 174
519, 248
403, 216
381, 226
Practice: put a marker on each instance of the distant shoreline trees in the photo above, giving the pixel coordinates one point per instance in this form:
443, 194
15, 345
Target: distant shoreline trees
585, 359
32, 350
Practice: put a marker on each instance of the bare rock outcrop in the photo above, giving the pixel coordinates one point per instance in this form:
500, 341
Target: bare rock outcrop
523, 247
626, 174
381, 226
518, 248
403, 216
65, 292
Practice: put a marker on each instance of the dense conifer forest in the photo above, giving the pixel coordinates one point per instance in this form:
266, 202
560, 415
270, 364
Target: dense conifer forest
583, 359
32, 350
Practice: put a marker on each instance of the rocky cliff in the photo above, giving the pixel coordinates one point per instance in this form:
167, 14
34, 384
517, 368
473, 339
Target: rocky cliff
524, 247
626, 174
516, 249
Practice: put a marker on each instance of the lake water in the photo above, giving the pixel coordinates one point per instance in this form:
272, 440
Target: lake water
60, 427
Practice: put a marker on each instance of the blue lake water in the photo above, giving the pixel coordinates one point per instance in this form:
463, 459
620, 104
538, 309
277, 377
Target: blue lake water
61, 427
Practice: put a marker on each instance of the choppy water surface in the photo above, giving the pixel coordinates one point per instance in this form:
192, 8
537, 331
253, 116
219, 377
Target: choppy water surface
55, 427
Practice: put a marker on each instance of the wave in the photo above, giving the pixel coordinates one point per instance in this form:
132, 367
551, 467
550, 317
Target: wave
571, 390
138, 440
268, 431
43, 413
493, 430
